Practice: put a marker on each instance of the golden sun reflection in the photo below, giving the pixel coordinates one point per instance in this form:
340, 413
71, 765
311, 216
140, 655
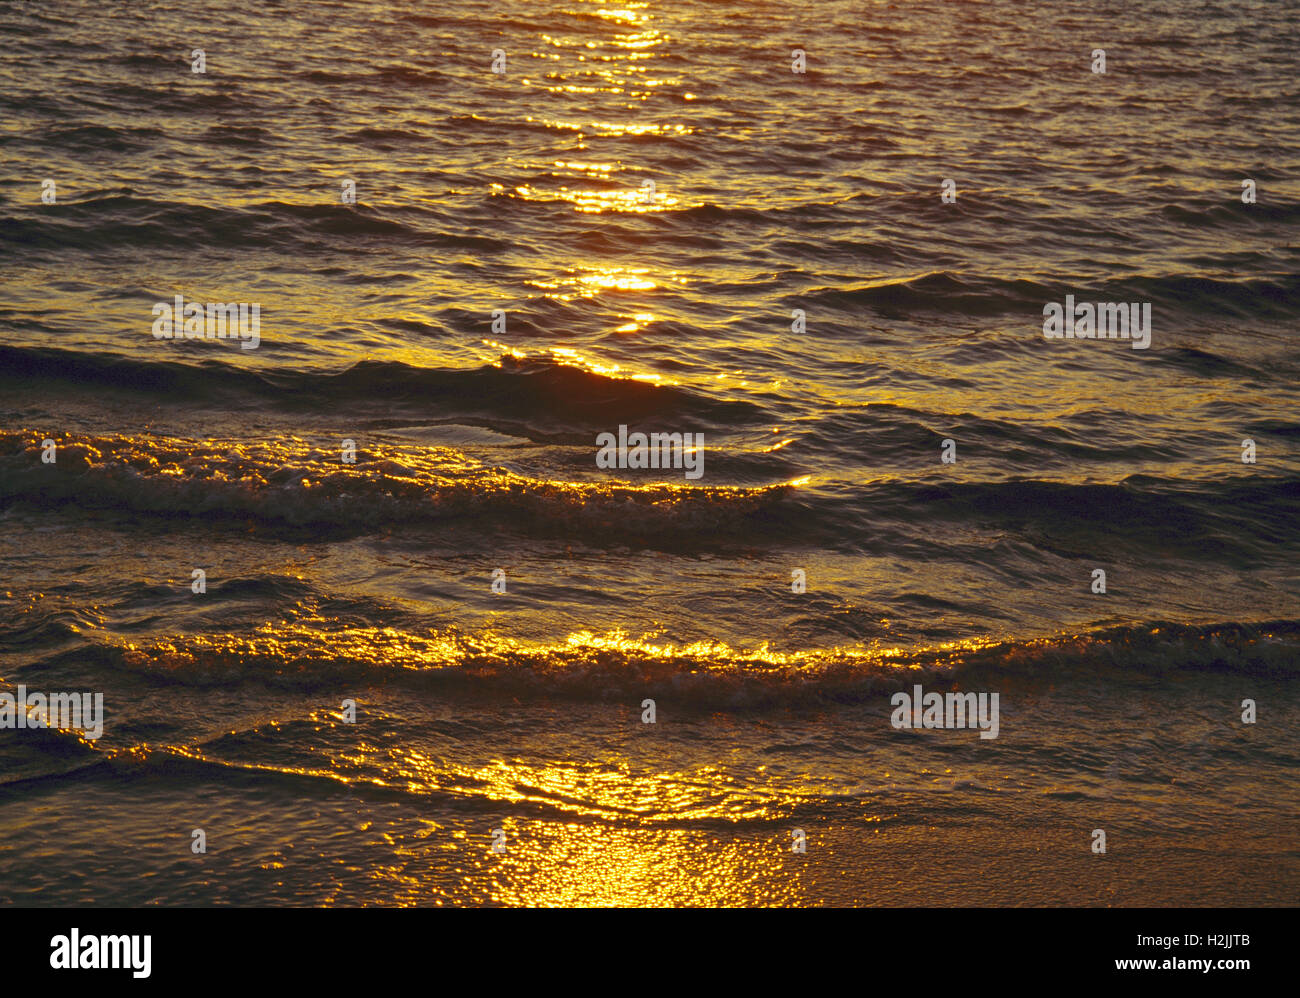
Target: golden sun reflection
577, 864
587, 865
592, 281
637, 322
637, 201
572, 358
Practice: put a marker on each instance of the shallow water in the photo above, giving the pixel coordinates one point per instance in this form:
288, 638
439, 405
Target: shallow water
665, 309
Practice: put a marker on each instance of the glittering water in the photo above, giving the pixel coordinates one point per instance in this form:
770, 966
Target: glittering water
648, 194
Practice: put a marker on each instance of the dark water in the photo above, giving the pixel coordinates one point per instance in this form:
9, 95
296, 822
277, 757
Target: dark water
665, 309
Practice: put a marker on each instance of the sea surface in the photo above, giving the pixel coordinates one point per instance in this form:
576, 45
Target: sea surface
677, 234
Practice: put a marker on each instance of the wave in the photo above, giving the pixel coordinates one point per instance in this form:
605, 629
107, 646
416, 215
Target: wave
289, 484
128, 221
320, 655
1241, 522
297, 485
979, 295
450, 791
528, 391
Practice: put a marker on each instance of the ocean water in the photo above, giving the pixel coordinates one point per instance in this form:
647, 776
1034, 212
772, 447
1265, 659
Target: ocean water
647, 195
